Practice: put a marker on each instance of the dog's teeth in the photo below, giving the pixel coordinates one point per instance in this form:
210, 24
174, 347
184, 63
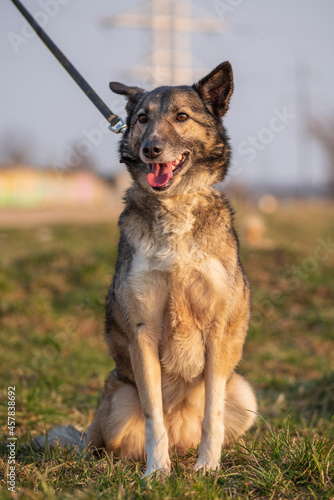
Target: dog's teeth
178, 160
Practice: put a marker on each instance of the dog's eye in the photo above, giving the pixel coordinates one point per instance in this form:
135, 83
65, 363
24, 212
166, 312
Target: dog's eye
142, 118
181, 117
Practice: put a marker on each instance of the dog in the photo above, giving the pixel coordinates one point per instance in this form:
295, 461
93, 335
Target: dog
178, 308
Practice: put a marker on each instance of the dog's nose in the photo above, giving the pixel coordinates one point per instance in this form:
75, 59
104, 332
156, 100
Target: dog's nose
152, 149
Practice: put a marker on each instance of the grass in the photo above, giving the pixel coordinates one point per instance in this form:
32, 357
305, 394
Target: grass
52, 284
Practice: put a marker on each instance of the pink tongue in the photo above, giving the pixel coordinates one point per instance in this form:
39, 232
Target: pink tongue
160, 174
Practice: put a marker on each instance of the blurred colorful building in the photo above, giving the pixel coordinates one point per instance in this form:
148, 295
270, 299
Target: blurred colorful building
28, 186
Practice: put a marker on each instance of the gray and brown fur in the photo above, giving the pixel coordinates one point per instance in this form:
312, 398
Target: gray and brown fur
178, 308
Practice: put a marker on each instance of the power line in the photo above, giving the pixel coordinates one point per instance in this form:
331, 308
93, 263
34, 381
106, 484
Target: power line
171, 24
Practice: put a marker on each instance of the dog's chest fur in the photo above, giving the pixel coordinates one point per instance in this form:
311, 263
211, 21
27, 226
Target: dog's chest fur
176, 283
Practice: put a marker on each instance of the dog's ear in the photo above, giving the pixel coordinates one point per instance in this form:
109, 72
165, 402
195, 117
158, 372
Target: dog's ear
216, 88
131, 93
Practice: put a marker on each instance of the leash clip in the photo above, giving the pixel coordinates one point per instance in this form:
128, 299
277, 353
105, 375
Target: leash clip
119, 127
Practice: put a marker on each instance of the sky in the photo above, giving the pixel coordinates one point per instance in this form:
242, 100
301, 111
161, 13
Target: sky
281, 52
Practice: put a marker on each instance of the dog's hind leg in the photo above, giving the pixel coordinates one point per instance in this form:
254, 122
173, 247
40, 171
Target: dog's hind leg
119, 424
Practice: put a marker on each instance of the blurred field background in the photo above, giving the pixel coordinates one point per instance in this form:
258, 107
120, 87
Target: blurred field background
61, 190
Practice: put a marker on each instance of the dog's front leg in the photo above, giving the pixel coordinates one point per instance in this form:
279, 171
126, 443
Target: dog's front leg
147, 372
213, 423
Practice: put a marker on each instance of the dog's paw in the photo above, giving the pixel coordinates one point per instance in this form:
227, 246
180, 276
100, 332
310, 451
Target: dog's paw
206, 464
158, 460
161, 469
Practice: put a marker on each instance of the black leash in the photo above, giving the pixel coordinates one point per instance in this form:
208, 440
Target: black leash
117, 124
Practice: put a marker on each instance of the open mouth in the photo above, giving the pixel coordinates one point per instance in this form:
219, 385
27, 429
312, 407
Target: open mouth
161, 175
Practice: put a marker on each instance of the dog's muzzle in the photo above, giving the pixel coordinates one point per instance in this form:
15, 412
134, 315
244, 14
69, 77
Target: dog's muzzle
161, 175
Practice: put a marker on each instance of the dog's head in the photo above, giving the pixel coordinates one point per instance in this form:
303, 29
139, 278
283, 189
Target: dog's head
175, 141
